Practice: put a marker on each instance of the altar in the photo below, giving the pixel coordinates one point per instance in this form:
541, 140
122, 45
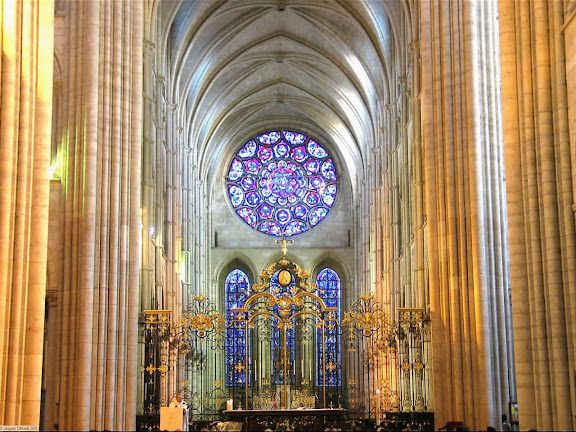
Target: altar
286, 354
288, 419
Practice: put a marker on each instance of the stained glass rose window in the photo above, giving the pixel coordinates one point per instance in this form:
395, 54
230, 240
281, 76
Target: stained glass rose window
282, 183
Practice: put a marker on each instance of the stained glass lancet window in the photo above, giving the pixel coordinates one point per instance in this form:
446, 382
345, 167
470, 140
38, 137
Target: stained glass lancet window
329, 289
282, 183
237, 288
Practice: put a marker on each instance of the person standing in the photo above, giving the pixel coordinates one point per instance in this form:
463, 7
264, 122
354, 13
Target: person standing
178, 402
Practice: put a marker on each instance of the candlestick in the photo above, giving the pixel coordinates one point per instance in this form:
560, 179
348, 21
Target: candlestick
230, 404
377, 407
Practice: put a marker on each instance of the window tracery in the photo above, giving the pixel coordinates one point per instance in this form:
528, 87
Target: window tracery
282, 183
237, 291
329, 290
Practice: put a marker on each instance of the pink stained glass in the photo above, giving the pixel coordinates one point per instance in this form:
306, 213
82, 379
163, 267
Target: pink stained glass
328, 170
312, 166
265, 154
281, 150
265, 211
252, 166
299, 154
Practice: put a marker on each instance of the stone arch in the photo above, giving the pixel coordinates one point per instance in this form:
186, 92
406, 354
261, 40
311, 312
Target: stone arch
234, 260
343, 270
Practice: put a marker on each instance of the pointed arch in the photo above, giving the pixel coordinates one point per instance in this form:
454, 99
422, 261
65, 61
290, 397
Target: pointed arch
328, 339
236, 292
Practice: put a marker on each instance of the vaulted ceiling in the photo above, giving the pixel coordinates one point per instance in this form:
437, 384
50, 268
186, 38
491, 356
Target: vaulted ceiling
243, 66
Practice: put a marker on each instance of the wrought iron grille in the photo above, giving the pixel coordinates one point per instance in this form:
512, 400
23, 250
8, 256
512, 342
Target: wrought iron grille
383, 364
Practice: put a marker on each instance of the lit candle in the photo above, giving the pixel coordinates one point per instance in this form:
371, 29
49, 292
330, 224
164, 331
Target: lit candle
229, 404
377, 407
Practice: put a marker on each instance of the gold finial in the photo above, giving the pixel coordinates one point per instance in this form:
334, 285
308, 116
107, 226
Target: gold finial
284, 245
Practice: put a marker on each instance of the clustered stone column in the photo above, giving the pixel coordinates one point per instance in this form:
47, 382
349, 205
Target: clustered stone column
100, 136
464, 188
394, 247
540, 178
27, 37
170, 191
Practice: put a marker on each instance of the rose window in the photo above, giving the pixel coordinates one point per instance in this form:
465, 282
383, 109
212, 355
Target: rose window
282, 183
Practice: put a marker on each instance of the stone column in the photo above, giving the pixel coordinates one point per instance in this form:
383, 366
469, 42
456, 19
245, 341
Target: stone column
101, 129
569, 30
462, 149
27, 38
540, 192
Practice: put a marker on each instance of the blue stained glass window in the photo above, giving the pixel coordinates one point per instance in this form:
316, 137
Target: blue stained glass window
316, 150
248, 150
283, 175
294, 138
237, 292
270, 137
329, 289
236, 195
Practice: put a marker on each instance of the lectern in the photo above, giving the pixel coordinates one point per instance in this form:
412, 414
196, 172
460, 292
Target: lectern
173, 419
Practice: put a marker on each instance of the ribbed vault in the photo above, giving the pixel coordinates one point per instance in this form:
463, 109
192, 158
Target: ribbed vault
239, 67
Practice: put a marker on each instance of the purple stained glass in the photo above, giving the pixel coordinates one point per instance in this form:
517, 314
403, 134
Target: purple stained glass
300, 211
328, 199
248, 183
331, 189
265, 154
265, 211
328, 170
271, 228
299, 154
281, 150
248, 215
317, 215
317, 182
252, 166
282, 183
252, 199
265, 192
295, 228
312, 166
283, 216
312, 199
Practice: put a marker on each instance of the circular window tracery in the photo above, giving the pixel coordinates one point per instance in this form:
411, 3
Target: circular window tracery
282, 183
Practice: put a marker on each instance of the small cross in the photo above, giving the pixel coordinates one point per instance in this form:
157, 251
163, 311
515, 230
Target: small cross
284, 245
